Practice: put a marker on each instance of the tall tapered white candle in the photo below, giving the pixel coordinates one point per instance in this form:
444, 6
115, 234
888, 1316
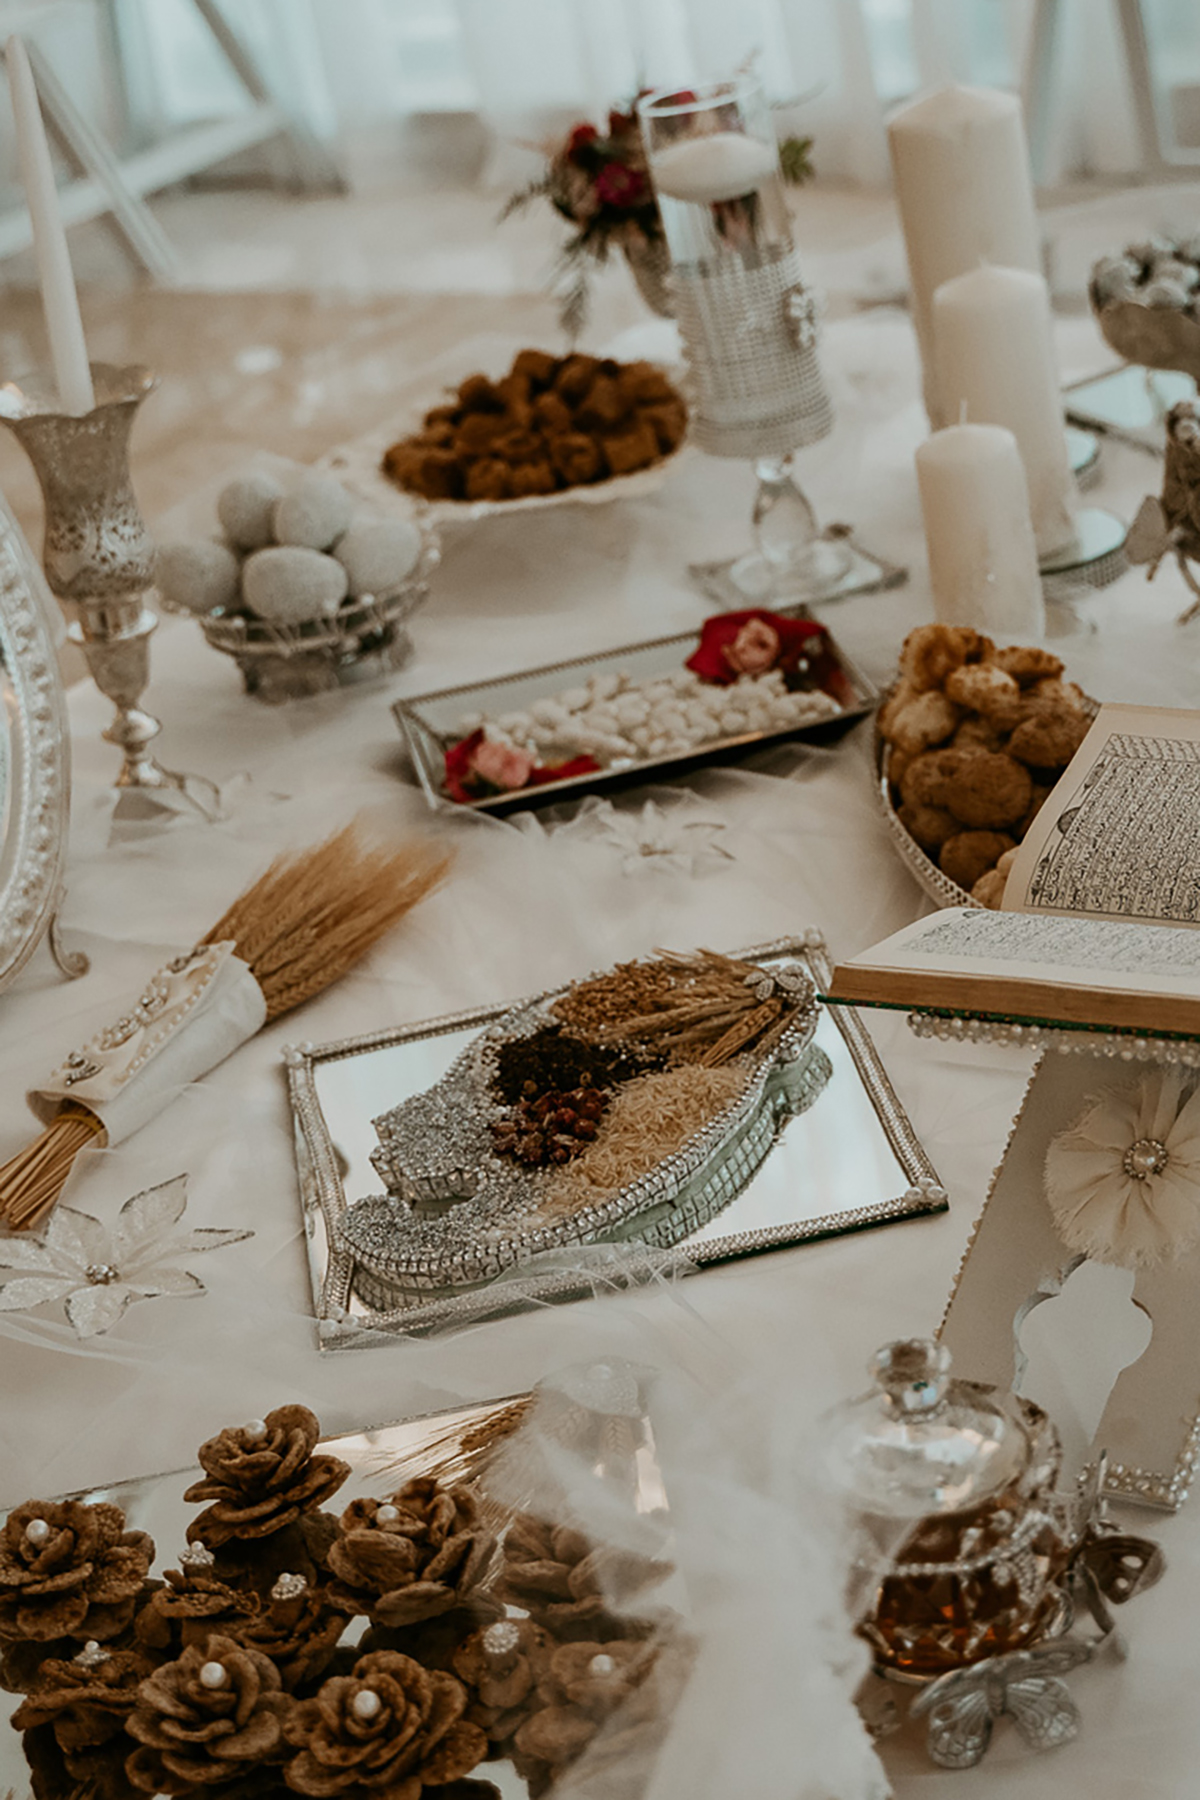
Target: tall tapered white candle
983, 566
965, 192
64, 327
994, 357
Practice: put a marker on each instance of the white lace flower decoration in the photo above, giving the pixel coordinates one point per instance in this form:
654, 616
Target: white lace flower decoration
654, 837
1123, 1181
99, 1271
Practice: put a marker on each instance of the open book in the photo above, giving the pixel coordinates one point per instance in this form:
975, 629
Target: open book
1100, 908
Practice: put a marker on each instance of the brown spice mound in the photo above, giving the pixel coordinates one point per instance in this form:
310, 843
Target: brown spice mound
554, 1058
545, 1130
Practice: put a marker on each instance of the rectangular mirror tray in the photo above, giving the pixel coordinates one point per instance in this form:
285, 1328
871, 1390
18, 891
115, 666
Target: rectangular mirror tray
431, 723
851, 1161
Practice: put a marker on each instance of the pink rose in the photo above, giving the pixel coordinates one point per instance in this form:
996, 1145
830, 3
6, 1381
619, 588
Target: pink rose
502, 765
754, 650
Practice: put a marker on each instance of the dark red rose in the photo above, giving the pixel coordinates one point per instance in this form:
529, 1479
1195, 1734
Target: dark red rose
465, 780
735, 643
580, 138
618, 185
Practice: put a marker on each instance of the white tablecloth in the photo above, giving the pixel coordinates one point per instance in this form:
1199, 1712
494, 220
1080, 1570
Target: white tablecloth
525, 909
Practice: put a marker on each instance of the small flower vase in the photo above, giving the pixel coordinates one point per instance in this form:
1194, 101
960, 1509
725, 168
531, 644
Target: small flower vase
650, 265
99, 558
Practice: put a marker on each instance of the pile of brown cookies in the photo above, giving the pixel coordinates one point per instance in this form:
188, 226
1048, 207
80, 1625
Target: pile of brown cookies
978, 738
552, 422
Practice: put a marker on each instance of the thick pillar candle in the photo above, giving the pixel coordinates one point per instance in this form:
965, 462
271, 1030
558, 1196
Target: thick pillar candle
68, 351
965, 192
994, 359
975, 503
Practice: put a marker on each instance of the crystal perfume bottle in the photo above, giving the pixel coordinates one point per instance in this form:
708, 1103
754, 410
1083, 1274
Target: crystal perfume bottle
962, 1539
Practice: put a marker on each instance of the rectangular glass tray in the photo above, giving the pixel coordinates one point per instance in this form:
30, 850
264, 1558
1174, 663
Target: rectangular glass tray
430, 723
453, 1443
852, 1161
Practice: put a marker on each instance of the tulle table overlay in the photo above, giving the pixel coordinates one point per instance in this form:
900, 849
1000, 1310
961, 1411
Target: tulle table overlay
531, 905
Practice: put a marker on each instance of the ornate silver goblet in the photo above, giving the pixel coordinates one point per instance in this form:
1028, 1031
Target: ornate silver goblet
99, 558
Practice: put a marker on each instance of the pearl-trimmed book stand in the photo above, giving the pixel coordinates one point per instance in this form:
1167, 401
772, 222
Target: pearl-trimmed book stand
1150, 1424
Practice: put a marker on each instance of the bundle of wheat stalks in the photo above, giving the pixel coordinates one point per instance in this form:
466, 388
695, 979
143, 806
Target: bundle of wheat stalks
699, 1007
298, 929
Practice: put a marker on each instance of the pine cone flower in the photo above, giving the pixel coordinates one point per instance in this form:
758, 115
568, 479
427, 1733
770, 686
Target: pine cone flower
189, 1609
501, 1666
569, 1585
298, 1631
210, 1717
384, 1732
85, 1701
411, 1557
261, 1477
69, 1570
582, 1685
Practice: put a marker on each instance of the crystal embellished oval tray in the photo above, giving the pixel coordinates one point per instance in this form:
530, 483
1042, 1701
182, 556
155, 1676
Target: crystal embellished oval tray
809, 1142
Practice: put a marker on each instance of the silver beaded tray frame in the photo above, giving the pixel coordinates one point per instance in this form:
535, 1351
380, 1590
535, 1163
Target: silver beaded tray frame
324, 1199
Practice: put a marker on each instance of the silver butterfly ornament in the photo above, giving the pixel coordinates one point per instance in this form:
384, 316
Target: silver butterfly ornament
963, 1707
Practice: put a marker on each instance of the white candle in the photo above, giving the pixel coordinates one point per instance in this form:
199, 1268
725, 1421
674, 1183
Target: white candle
723, 165
982, 562
994, 360
64, 327
963, 185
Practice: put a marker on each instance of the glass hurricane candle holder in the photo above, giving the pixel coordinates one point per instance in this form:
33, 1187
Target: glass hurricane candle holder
99, 559
747, 320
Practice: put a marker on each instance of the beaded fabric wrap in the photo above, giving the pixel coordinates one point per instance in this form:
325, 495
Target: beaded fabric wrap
384, 1732
258, 1484
79, 1577
85, 1706
412, 1557
569, 1586
193, 1733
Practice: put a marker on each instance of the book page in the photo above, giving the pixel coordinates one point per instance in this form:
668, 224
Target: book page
1080, 952
1119, 836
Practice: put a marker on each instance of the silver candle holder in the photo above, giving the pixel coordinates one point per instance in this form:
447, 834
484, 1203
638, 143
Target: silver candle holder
99, 559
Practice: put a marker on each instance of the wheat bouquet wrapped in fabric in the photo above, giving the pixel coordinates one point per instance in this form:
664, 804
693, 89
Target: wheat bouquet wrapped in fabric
292, 934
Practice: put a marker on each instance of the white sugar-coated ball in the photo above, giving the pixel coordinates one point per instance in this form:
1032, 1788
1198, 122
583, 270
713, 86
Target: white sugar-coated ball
378, 554
289, 585
197, 577
245, 508
314, 515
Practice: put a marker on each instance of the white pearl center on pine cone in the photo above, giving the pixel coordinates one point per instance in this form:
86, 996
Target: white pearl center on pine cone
387, 1515
254, 1429
213, 1675
365, 1704
602, 1665
37, 1531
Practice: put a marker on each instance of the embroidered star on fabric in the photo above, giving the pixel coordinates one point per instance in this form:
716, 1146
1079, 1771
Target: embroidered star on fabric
98, 1271
657, 838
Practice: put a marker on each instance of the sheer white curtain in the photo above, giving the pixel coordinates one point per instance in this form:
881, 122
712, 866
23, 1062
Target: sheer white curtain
527, 67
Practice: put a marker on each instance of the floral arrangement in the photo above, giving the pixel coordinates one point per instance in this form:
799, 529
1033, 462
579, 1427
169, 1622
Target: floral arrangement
370, 1655
598, 181
752, 672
